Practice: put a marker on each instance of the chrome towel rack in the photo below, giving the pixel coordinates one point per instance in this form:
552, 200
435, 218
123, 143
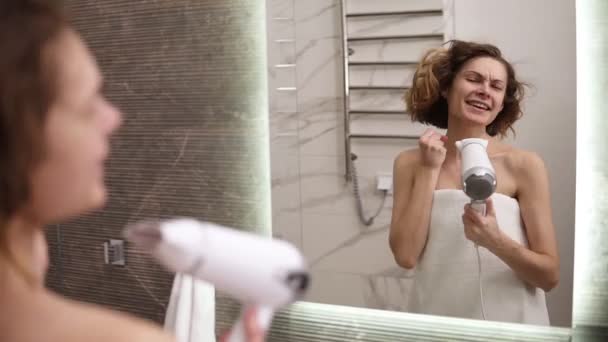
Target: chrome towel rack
347, 52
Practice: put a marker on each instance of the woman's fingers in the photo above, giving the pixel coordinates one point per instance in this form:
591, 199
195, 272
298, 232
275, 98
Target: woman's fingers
432, 140
424, 138
473, 215
253, 330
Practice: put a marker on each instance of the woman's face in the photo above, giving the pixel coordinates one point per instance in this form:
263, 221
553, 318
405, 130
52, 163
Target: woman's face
478, 91
70, 178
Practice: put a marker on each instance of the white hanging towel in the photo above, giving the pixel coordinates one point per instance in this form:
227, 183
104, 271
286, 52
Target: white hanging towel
190, 316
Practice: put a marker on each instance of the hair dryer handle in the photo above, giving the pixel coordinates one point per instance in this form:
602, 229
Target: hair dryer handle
264, 318
479, 206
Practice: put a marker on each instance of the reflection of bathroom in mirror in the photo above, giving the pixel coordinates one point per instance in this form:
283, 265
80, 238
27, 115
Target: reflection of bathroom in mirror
315, 205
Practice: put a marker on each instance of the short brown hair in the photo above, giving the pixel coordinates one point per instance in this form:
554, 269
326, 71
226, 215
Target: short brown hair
27, 90
437, 71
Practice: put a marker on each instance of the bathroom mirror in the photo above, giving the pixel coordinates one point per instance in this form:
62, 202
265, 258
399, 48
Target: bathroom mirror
314, 205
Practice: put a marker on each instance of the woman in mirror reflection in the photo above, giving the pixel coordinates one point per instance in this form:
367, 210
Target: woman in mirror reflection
471, 90
55, 125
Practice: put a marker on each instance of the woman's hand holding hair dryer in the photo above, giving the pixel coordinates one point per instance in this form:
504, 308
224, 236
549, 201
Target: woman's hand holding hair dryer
480, 229
253, 332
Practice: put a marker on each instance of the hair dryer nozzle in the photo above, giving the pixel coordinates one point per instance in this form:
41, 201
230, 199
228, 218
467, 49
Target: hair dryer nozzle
479, 186
478, 176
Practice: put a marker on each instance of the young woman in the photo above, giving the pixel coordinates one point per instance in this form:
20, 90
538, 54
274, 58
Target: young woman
54, 130
471, 90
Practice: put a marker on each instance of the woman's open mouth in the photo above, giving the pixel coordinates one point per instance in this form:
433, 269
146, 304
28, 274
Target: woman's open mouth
478, 104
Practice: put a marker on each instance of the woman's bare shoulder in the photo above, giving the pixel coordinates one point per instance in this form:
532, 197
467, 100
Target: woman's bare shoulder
86, 322
407, 158
520, 160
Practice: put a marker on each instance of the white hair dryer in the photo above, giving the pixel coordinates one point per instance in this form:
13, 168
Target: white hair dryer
478, 175
479, 183
256, 270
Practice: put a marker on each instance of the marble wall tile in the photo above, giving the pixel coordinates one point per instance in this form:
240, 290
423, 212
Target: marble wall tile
285, 79
319, 69
386, 149
372, 99
358, 6
321, 134
388, 293
283, 101
336, 288
341, 243
397, 25
283, 131
282, 29
280, 9
369, 254
285, 184
317, 20
384, 124
324, 189
328, 241
283, 53
322, 104
392, 50
393, 76
288, 226
318, 54
384, 293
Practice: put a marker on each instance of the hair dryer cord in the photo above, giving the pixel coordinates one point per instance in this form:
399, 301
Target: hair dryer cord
483, 310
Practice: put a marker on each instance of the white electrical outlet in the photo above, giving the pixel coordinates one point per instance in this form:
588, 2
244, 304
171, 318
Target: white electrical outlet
384, 182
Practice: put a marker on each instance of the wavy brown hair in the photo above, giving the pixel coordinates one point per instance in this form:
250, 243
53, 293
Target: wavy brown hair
435, 75
28, 86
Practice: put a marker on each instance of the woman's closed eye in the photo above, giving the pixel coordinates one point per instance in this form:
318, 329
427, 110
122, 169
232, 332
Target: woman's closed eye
498, 87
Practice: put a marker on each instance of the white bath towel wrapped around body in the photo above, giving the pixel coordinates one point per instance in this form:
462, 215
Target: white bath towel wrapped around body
446, 277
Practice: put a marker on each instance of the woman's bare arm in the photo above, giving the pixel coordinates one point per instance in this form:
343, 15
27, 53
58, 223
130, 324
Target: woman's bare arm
538, 265
413, 187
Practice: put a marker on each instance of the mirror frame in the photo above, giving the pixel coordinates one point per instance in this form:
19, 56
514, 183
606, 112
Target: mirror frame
306, 321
